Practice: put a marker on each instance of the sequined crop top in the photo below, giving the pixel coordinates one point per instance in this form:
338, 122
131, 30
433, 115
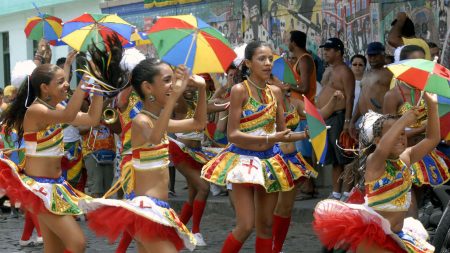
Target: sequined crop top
150, 156
257, 118
391, 192
45, 143
292, 118
193, 136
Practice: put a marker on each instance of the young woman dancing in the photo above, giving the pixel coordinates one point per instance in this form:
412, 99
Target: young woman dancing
253, 162
293, 108
40, 187
146, 215
380, 225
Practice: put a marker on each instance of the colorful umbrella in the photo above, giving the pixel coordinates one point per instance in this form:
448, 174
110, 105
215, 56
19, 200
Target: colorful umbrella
188, 40
138, 39
317, 131
43, 26
424, 75
80, 32
283, 71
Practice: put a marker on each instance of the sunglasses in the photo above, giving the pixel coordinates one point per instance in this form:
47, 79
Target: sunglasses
357, 65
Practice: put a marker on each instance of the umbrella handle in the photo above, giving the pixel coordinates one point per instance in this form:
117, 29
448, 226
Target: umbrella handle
37, 9
420, 98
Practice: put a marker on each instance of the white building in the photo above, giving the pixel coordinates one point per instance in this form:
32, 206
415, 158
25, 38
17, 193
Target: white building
14, 46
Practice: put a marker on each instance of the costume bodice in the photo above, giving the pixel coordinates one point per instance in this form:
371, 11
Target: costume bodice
391, 192
258, 118
45, 143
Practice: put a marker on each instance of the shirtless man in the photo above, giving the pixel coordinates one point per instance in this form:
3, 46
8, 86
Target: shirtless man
337, 76
375, 84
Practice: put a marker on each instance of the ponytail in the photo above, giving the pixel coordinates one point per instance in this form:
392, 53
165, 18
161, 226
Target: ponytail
12, 118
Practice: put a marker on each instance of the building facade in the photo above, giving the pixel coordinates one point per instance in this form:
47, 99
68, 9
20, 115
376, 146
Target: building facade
14, 46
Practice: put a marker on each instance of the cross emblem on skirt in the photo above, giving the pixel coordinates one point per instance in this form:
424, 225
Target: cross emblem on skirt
42, 191
250, 166
141, 205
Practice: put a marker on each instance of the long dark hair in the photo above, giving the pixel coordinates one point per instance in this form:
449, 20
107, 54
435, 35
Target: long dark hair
30, 89
146, 70
105, 64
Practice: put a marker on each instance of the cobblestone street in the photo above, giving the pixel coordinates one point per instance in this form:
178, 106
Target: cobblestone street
215, 227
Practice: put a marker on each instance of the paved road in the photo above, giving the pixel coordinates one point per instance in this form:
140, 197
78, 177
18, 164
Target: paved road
215, 227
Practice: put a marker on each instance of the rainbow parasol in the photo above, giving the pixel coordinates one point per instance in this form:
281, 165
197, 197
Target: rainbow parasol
317, 131
283, 71
43, 26
423, 74
80, 32
188, 40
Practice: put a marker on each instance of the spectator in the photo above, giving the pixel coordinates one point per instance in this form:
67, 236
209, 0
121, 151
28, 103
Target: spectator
359, 63
403, 33
388, 59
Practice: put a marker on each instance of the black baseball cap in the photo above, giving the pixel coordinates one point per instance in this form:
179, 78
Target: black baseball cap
375, 48
335, 43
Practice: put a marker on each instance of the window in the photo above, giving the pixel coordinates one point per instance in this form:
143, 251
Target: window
6, 59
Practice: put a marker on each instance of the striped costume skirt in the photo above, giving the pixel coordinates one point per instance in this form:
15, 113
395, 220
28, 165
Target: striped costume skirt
240, 166
39, 194
344, 226
299, 167
143, 217
432, 170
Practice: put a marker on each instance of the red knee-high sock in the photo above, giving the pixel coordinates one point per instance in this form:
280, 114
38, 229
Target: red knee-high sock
263, 245
280, 229
67, 251
186, 213
197, 213
36, 224
124, 243
28, 227
231, 245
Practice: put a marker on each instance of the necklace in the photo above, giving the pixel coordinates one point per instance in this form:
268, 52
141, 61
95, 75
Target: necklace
255, 85
45, 103
151, 115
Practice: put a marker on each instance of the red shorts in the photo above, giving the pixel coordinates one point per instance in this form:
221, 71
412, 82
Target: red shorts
177, 156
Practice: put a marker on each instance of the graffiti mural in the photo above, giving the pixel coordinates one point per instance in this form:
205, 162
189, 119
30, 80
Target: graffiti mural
355, 22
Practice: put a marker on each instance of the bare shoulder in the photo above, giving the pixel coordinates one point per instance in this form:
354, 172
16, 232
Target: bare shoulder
239, 87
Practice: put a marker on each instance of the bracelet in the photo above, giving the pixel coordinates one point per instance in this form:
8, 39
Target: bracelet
346, 121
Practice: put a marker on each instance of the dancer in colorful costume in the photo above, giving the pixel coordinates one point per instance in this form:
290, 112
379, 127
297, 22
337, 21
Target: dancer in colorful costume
299, 167
188, 156
40, 187
379, 225
433, 169
145, 214
253, 163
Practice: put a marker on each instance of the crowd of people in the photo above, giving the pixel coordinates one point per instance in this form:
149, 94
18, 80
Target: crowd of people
112, 156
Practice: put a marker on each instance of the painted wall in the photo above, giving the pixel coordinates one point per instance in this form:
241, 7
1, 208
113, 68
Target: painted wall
356, 22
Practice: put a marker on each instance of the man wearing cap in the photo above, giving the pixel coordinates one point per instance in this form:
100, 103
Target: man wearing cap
337, 76
375, 84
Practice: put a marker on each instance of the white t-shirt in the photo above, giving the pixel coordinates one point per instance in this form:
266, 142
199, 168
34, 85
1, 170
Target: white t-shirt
357, 92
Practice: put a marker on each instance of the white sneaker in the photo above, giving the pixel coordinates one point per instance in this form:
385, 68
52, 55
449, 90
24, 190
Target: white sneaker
199, 238
39, 240
26, 243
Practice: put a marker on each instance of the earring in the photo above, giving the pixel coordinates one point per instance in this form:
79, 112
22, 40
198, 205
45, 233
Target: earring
151, 98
